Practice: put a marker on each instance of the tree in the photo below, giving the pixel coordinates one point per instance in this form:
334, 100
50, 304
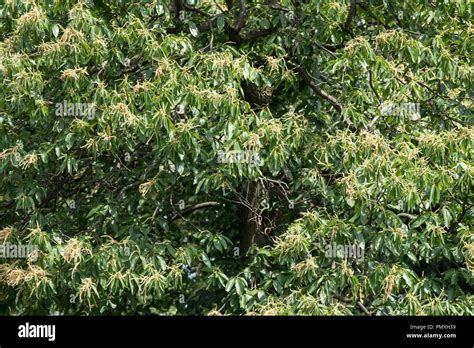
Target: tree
236, 157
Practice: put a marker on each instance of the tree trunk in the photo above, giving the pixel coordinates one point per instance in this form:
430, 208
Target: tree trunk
249, 219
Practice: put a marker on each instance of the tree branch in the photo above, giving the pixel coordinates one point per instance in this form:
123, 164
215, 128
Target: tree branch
310, 82
189, 210
242, 15
351, 15
358, 303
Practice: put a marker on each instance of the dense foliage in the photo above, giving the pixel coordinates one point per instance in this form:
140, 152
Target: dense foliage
224, 145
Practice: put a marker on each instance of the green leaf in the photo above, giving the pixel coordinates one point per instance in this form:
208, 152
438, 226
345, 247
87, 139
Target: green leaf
407, 279
55, 30
193, 29
446, 216
230, 284
239, 286
206, 261
220, 22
